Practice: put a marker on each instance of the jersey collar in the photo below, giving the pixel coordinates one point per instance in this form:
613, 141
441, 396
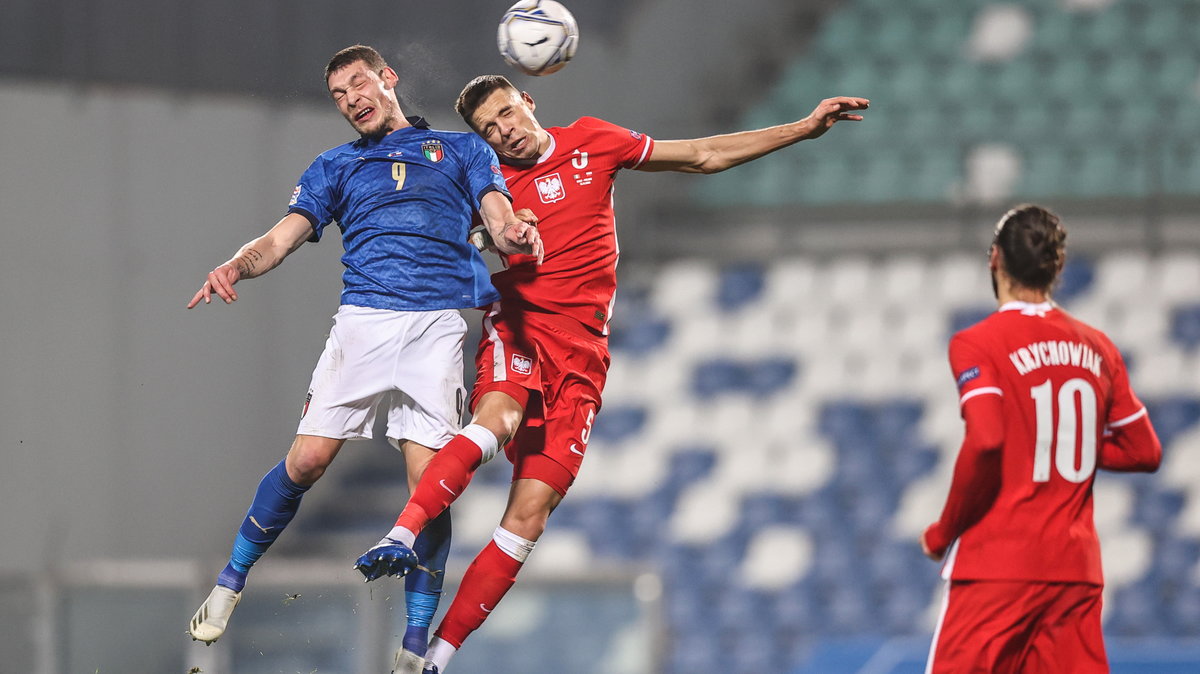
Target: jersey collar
549, 150
415, 122
1028, 308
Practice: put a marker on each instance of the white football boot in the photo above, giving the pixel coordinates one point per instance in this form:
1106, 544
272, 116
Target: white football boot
213, 615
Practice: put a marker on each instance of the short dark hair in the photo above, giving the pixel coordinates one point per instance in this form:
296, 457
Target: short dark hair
353, 54
1034, 244
477, 90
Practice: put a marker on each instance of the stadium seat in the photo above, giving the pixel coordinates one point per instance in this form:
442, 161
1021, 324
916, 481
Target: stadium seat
1185, 326
739, 285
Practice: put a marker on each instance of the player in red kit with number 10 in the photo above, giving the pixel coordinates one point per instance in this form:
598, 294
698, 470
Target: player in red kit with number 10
544, 354
1046, 401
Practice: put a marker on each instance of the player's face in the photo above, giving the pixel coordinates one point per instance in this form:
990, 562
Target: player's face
505, 120
366, 99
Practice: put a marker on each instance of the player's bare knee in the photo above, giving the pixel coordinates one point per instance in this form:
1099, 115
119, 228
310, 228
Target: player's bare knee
308, 459
501, 419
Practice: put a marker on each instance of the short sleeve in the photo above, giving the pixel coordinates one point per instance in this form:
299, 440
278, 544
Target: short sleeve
974, 373
482, 169
313, 197
630, 148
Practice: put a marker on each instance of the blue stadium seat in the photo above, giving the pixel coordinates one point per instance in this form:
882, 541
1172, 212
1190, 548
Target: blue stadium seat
716, 376
739, 285
1076, 278
1184, 612
796, 608
898, 419
843, 417
617, 422
690, 464
905, 601
965, 318
1157, 508
1172, 416
759, 510
1185, 326
913, 462
1136, 611
740, 609
639, 332
768, 376
1175, 557
850, 610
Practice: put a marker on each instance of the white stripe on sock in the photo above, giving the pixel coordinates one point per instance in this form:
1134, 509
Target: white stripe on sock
485, 439
513, 545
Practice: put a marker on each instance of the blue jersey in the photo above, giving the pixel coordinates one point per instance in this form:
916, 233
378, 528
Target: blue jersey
404, 203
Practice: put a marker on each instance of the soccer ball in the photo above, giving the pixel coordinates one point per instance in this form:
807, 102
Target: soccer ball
537, 37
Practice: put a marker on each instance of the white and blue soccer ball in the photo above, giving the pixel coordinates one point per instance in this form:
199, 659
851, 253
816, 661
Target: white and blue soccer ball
537, 37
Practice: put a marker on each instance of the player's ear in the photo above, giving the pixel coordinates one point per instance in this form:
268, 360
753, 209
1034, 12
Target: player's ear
994, 258
389, 77
528, 100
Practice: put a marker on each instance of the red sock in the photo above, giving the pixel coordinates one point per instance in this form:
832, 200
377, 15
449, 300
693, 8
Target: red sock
484, 584
444, 479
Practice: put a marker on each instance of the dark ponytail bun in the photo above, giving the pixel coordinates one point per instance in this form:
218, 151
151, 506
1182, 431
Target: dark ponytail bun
1034, 245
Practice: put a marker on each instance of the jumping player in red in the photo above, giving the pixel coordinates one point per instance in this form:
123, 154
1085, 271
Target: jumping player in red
1046, 401
544, 354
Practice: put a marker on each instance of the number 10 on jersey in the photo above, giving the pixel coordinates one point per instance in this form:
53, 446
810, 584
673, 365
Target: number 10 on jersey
1076, 432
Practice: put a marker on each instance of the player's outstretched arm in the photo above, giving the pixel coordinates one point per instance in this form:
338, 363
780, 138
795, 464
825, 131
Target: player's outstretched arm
512, 233
255, 258
717, 153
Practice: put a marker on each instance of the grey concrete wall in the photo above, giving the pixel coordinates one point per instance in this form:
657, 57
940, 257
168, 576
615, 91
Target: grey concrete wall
130, 426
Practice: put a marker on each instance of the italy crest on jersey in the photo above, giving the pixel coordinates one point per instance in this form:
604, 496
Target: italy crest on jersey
432, 149
550, 188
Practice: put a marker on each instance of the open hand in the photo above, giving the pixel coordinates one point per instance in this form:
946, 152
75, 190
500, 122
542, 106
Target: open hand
833, 110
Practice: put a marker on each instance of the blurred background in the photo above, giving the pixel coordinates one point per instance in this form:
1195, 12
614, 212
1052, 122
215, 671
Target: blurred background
779, 422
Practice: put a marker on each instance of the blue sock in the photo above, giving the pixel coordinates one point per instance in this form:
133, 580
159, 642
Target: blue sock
275, 504
422, 590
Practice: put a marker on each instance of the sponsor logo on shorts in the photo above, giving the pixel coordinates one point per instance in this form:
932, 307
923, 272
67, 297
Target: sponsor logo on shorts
521, 364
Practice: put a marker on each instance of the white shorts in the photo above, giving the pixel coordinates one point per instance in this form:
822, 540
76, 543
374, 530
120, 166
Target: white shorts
412, 361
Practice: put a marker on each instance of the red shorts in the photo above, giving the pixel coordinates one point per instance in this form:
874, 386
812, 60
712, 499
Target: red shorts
1022, 627
563, 366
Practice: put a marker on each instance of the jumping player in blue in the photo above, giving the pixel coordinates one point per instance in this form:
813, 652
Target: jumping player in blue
404, 196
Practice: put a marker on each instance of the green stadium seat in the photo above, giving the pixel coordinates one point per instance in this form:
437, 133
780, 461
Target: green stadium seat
1166, 24
1175, 74
1055, 31
1126, 75
1044, 168
1094, 102
1015, 81
1104, 29
936, 171
945, 33
1069, 75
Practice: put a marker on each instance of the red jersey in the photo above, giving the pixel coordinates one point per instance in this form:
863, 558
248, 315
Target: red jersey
1062, 385
570, 189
